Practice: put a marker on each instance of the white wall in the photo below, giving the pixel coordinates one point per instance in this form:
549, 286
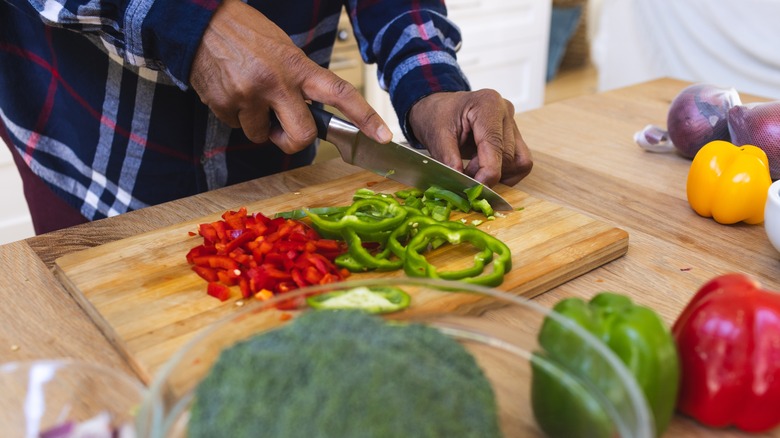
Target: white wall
15, 223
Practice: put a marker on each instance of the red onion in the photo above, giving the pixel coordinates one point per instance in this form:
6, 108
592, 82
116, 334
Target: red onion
698, 115
758, 124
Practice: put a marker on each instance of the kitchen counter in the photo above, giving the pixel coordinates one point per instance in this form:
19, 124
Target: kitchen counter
585, 159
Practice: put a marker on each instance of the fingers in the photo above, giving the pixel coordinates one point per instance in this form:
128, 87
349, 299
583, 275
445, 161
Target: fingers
518, 166
488, 124
296, 128
246, 67
334, 91
502, 155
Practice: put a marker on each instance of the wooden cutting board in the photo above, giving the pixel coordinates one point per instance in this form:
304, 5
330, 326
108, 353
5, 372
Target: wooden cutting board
142, 294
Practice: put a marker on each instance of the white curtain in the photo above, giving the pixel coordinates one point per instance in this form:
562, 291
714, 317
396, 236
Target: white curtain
730, 43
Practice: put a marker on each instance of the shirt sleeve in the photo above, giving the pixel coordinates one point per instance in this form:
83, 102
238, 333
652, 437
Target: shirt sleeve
157, 34
414, 45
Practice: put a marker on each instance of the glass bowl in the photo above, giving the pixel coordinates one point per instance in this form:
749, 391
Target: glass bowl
51, 398
498, 329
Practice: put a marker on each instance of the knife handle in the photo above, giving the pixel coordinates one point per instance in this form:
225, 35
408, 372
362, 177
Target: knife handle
322, 120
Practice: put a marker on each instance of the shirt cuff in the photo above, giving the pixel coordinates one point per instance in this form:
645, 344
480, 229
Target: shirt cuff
171, 34
421, 81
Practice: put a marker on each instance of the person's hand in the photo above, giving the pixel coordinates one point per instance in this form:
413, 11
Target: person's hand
246, 67
476, 125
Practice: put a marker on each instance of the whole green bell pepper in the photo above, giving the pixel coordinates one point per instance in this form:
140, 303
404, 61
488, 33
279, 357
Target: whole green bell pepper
639, 338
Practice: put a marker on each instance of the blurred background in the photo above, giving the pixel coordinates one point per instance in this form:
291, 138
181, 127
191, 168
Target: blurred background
537, 52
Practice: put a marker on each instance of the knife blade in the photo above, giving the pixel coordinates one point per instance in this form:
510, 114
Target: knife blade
395, 161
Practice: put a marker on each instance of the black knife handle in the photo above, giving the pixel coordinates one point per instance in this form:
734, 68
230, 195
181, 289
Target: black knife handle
322, 120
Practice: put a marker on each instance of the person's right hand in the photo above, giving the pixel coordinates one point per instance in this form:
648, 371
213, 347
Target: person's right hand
246, 67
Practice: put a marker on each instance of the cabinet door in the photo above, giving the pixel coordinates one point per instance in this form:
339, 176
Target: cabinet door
529, 18
504, 48
517, 72
15, 222
346, 61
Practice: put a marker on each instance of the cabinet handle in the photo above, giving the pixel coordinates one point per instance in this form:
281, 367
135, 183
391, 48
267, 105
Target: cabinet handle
342, 62
342, 35
464, 4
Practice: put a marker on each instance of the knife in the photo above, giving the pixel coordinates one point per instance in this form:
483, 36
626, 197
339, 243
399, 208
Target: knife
395, 161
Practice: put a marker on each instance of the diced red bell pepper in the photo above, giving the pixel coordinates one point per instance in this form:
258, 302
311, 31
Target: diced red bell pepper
221, 229
200, 250
312, 276
208, 232
243, 286
235, 219
244, 237
208, 274
216, 261
219, 291
262, 254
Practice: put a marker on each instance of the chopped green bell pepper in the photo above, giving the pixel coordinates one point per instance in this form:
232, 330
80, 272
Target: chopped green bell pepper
390, 214
416, 265
411, 192
474, 192
636, 334
365, 259
375, 299
301, 213
457, 201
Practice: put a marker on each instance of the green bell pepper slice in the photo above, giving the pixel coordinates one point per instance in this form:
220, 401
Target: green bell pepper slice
474, 192
457, 201
375, 299
409, 193
483, 206
348, 262
409, 227
416, 265
372, 214
320, 211
365, 260
638, 337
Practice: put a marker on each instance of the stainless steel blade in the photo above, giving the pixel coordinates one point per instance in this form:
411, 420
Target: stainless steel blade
401, 163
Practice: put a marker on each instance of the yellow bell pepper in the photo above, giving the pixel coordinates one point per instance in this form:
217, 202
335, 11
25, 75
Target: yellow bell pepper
729, 183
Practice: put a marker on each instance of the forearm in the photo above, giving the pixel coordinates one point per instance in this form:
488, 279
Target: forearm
156, 34
413, 45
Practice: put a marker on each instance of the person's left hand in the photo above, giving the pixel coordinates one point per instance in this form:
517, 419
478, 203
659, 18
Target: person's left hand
474, 125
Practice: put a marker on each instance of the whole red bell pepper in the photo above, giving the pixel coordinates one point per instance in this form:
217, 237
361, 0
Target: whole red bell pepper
728, 338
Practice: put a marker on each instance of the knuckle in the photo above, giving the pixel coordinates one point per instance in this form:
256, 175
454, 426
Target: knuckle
489, 94
303, 137
509, 106
495, 139
265, 78
370, 118
342, 89
256, 137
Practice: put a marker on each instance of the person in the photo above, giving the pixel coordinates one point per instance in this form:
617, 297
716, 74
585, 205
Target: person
113, 106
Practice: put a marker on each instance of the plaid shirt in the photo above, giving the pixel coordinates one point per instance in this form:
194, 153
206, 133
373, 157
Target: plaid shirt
94, 95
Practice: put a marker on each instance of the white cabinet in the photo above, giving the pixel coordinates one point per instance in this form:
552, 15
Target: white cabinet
504, 47
15, 222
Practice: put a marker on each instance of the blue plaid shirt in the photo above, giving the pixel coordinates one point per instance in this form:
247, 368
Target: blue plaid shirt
94, 94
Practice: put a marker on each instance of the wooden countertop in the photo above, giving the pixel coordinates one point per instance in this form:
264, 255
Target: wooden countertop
585, 158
